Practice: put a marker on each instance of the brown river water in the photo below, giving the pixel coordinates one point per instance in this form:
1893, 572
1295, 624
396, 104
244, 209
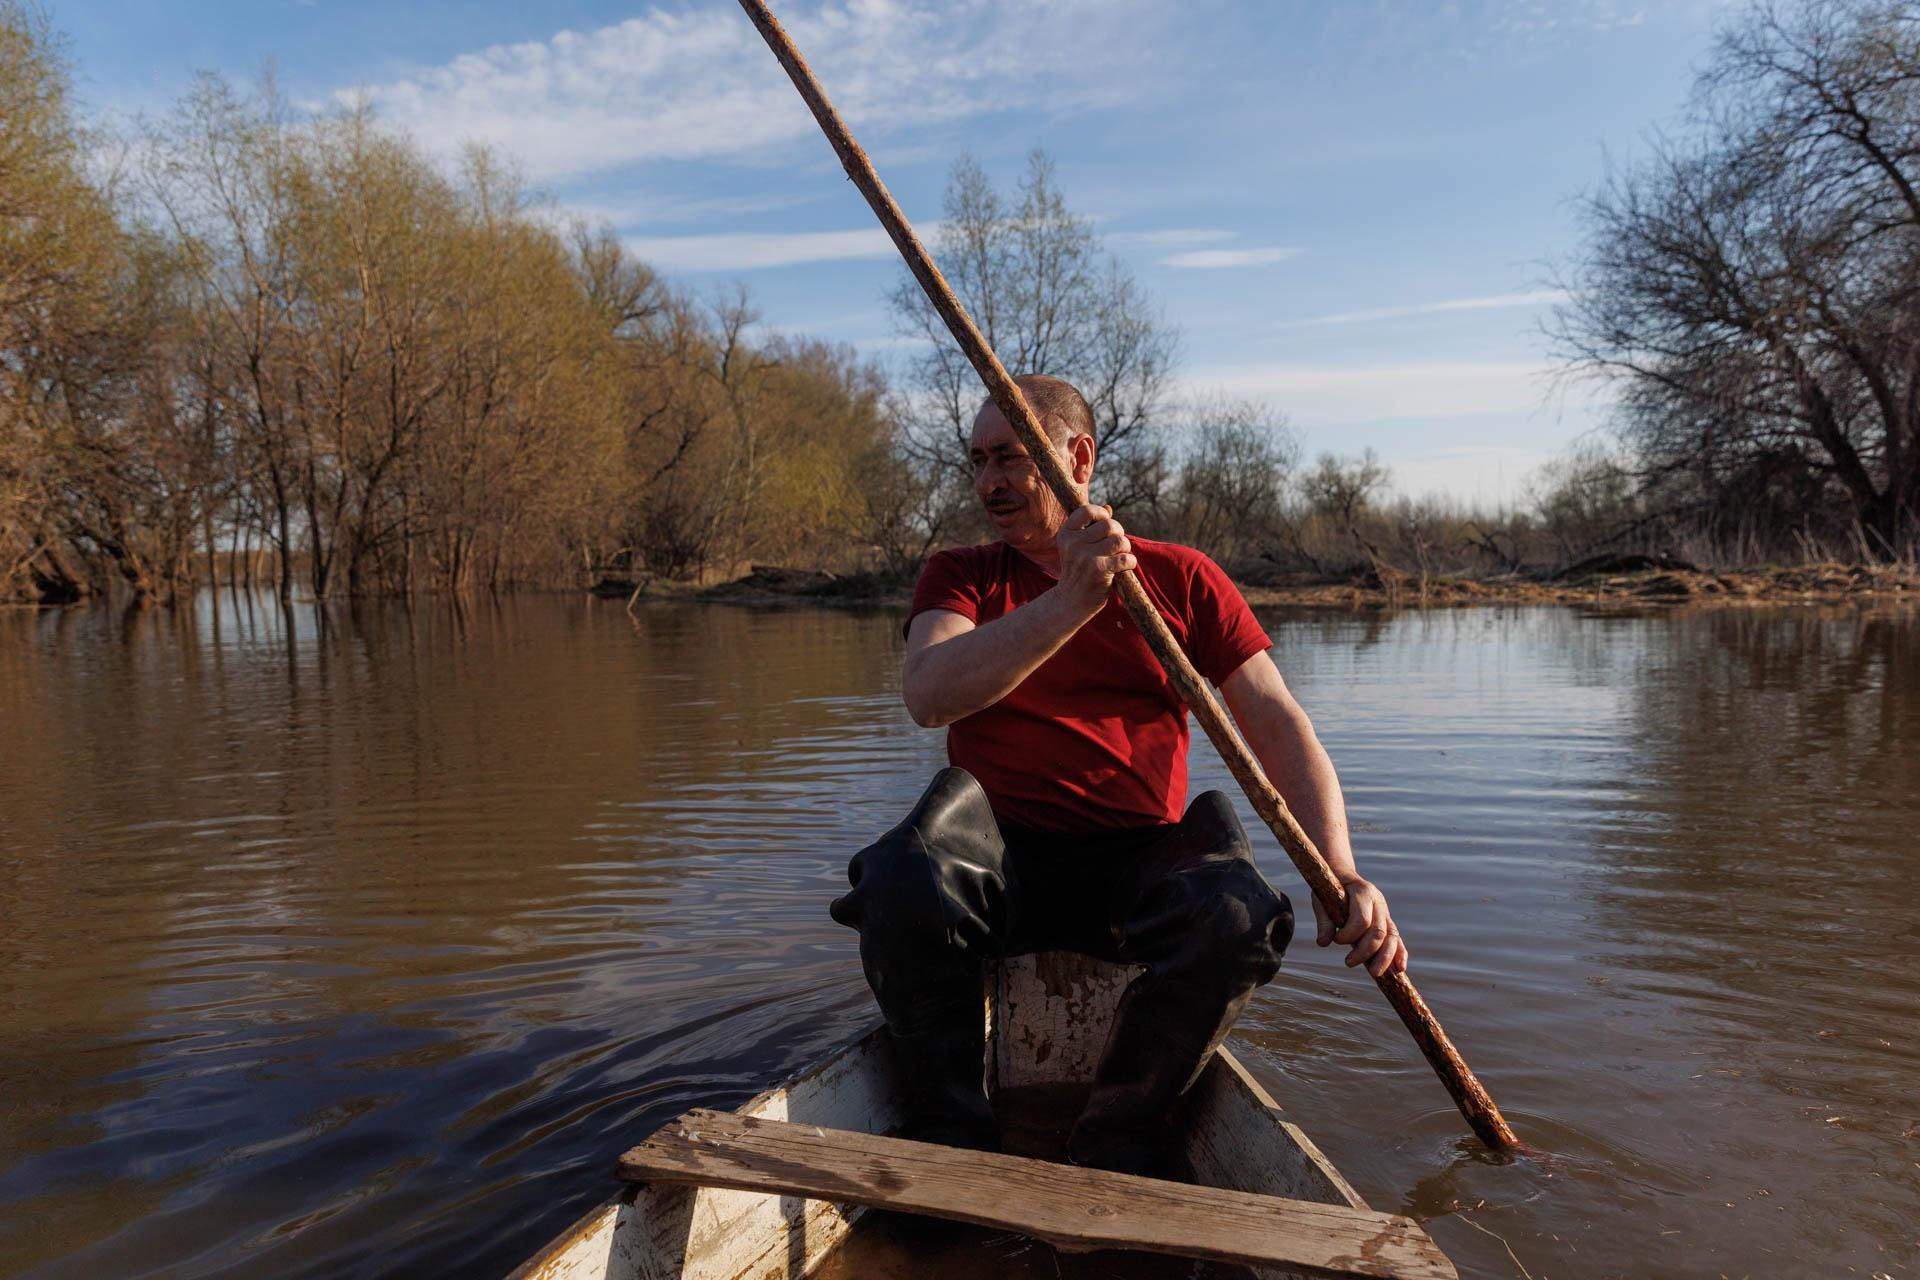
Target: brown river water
358, 942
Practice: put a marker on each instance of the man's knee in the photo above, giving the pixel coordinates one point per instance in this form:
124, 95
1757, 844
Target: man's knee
1231, 925
893, 888
1237, 925
1210, 826
936, 879
1241, 924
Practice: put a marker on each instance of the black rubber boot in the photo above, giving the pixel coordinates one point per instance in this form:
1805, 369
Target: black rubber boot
943, 1071
928, 899
1131, 1122
1209, 929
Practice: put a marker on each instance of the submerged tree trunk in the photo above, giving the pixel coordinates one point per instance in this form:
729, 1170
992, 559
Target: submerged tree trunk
213, 566
284, 586
56, 578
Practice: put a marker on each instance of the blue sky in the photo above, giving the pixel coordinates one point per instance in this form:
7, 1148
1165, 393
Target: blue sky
1349, 209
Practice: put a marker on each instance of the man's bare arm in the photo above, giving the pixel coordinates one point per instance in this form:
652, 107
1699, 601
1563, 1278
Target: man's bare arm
1283, 740
954, 668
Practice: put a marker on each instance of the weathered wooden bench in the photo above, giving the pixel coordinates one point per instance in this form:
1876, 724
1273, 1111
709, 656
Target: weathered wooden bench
1067, 1206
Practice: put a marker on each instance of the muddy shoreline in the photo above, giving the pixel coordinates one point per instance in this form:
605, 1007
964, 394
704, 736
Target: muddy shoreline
1638, 586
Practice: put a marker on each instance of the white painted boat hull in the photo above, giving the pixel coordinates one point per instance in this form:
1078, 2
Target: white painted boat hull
1048, 1016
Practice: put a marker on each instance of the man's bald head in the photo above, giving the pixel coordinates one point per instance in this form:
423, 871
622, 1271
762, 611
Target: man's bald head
1062, 410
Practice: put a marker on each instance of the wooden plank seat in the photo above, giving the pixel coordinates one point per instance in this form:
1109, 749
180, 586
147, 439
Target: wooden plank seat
1067, 1206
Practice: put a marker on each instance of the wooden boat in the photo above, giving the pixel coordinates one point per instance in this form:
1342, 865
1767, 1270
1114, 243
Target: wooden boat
784, 1216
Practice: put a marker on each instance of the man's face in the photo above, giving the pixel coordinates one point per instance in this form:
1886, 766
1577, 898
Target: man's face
1009, 485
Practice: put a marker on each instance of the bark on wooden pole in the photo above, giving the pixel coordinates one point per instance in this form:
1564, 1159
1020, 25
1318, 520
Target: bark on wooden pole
1468, 1093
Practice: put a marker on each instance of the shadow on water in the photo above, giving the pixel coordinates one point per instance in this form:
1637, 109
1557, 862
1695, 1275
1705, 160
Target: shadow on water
358, 940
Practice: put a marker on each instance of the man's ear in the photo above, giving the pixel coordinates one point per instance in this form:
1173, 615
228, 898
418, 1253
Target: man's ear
1080, 451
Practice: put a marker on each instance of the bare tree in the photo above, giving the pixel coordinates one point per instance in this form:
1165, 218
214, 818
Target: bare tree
1341, 491
61, 253
1048, 299
1755, 285
1584, 501
221, 174
1231, 492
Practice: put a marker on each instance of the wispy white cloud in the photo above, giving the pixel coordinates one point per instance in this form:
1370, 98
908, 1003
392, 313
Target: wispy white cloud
1533, 298
1210, 258
1170, 236
746, 251
1503, 31
700, 84
624, 213
892, 342
1335, 395
1480, 475
1534, 18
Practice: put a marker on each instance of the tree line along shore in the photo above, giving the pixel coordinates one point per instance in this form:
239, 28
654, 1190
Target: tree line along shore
245, 346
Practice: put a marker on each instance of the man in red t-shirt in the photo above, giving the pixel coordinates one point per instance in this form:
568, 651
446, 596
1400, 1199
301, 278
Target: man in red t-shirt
1061, 824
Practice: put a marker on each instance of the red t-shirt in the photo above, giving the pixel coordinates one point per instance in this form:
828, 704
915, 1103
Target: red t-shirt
1097, 735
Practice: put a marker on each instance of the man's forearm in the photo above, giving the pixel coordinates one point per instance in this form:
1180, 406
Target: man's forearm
1283, 740
975, 669
1304, 775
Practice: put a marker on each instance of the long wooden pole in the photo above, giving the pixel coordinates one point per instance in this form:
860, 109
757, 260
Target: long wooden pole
1468, 1093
